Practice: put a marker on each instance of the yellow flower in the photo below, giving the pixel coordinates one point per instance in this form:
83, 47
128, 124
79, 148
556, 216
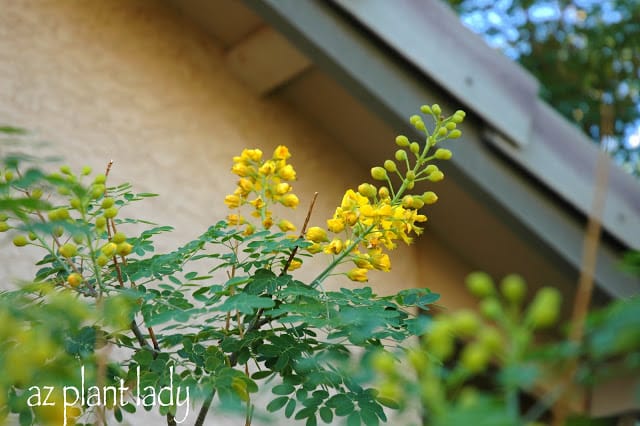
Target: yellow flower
258, 203
295, 264
286, 226
362, 261
235, 219
249, 230
281, 153
232, 201
267, 168
267, 222
287, 172
335, 225
251, 154
290, 200
282, 188
314, 248
316, 234
381, 262
334, 247
357, 274
245, 184
240, 169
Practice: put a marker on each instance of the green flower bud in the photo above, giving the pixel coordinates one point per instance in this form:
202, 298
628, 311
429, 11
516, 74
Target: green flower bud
545, 308
111, 212
109, 249
436, 109
426, 109
65, 170
4, 227
429, 197
513, 288
401, 155
443, 154
379, 173
58, 231
450, 125
390, 166
97, 191
68, 250
383, 362
414, 119
101, 222
442, 131
36, 194
102, 260
475, 358
491, 308
411, 176
431, 168
417, 203
107, 203
402, 141
8, 175
465, 323
32, 236
455, 134
78, 238
414, 147
3, 217
480, 284
124, 249
436, 176
76, 203
20, 241
119, 237
86, 170
63, 190
100, 179
367, 190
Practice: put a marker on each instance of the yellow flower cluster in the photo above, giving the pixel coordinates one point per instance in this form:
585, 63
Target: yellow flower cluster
262, 183
372, 222
374, 218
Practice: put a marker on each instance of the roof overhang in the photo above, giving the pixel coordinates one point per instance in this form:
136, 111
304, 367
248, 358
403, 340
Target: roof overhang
376, 56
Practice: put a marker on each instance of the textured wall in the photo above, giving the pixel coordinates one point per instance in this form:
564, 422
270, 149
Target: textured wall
129, 80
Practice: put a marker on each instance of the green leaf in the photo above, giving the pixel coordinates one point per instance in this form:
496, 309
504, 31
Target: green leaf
305, 412
261, 374
245, 303
341, 404
290, 408
277, 403
353, 419
283, 389
326, 414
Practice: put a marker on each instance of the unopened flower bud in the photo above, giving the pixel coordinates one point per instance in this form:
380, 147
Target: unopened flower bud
414, 147
426, 109
436, 109
450, 125
379, 173
401, 155
383, 192
367, 190
390, 166
443, 154
429, 197
442, 131
455, 134
411, 176
316, 234
402, 141
436, 176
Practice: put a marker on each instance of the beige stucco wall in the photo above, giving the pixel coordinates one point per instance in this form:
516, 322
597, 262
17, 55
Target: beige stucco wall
130, 80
